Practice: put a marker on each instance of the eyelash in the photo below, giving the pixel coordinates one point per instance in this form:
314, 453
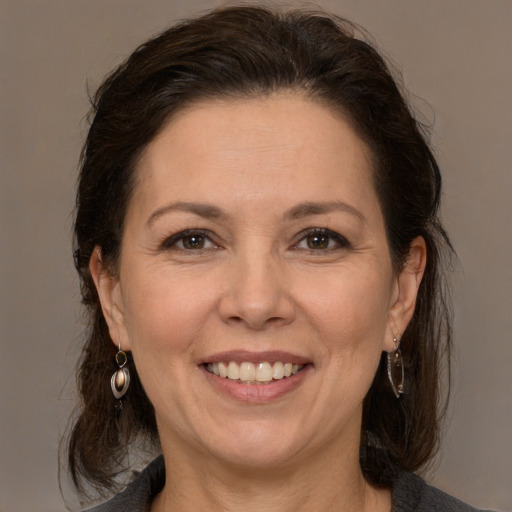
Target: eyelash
341, 241
173, 240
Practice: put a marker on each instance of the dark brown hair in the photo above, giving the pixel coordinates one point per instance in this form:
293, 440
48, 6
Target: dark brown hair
247, 52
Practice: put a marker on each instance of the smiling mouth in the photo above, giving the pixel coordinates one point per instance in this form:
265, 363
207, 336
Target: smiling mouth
249, 373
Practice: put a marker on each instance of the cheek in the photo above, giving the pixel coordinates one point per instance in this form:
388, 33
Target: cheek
349, 306
164, 317
163, 313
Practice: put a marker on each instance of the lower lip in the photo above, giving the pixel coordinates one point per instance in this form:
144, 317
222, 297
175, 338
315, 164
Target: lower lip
257, 393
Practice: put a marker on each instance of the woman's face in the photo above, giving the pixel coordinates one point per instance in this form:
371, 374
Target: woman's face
254, 241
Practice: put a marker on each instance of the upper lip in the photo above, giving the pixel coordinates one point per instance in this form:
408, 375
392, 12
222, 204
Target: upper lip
245, 356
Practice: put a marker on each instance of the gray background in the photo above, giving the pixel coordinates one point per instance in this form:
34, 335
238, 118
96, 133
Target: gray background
456, 54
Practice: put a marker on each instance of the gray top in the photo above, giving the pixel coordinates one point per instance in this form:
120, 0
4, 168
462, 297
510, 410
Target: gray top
410, 494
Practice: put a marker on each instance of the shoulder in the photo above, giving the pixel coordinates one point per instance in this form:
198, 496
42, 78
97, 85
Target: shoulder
412, 493
139, 493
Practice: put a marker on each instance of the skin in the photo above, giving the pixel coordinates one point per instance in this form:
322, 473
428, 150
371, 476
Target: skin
254, 280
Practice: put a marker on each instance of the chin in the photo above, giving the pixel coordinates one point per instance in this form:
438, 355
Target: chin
258, 446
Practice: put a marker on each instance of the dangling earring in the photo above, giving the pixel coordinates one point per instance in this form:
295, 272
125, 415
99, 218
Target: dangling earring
121, 378
396, 369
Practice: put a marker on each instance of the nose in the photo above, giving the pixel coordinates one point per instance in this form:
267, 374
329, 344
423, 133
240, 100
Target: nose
257, 292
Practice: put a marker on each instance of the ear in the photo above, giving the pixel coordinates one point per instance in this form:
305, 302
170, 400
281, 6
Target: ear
109, 292
407, 283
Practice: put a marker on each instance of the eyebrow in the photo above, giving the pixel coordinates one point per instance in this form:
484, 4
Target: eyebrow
306, 209
206, 211
314, 208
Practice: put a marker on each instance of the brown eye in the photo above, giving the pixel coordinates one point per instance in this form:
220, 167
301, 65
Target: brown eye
318, 241
192, 242
189, 240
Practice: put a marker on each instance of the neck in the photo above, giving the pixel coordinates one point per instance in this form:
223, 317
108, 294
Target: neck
325, 482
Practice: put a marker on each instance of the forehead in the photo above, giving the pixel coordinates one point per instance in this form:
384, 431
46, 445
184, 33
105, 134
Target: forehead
265, 146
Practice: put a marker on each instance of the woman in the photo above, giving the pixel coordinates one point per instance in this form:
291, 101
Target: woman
259, 248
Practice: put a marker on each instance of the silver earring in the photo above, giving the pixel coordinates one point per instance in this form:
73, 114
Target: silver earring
396, 369
121, 378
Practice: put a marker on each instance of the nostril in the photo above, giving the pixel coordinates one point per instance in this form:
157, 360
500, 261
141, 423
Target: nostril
256, 298
257, 323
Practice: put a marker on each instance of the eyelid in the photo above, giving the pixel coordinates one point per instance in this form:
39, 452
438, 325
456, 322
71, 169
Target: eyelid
341, 240
169, 241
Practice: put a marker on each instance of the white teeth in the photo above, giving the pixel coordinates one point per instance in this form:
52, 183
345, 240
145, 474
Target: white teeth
233, 371
264, 372
223, 369
278, 370
248, 372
